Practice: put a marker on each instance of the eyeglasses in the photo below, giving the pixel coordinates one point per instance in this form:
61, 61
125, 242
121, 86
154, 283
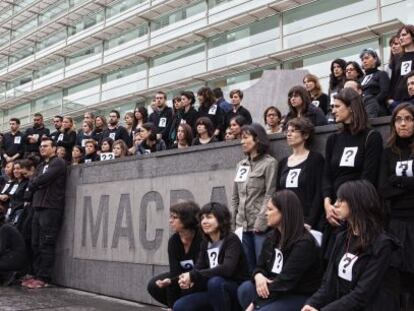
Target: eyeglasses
406, 119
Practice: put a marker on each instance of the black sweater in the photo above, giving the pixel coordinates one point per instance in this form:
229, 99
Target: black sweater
301, 272
308, 187
368, 146
369, 288
241, 111
376, 84
402, 68
13, 144
17, 197
215, 114
39, 132
94, 157
321, 102
118, 132
232, 263
180, 262
67, 139
314, 114
398, 190
162, 121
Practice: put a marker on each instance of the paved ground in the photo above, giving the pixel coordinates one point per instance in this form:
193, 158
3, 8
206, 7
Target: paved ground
63, 299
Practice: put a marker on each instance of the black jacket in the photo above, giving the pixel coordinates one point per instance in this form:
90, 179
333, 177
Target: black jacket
376, 84
400, 92
81, 137
314, 114
162, 121
215, 114
94, 157
371, 285
49, 183
67, 139
116, 133
17, 197
39, 132
232, 263
301, 273
240, 112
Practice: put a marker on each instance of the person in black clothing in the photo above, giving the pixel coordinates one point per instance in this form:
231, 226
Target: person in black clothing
8, 182
48, 187
353, 71
16, 195
57, 123
77, 155
404, 65
85, 133
150, 143
238, 110
318, 98
336, 78
129, 126
221, 265
289, 269
114, 130
375, 84
301, 171
236, 123
299, 103
140, 117
162, 117
100, 128
67, 137
91, 154
106, 145
396, 51
183, 249
187, 114
351, 154
359, 275
12, 251
205, 132
208, 108
13, 142
33, 135
396, 185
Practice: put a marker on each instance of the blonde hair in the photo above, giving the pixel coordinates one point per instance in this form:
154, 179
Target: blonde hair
73, 128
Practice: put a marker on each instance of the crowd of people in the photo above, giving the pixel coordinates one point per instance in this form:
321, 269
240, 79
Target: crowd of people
290, 220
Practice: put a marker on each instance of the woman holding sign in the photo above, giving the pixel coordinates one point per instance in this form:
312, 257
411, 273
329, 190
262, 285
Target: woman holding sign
220, 268
254, 184
289, 269
396, 185
301, 172
351, 154
183, 249
358, 276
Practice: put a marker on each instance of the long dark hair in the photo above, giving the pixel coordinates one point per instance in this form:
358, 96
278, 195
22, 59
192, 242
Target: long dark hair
222, 214
259, 136
300, 91
208, 96
359, 116
392, 140
366, 211
292, 224
334, 81
357, 68
144, 112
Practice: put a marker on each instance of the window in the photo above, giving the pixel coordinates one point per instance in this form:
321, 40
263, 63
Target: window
82, 54
48, 105
86, 22
123, 72
121, 6
52, 11
213, 3
126, 36
19, 55
179, 54
41, 72
24, 28
52, 39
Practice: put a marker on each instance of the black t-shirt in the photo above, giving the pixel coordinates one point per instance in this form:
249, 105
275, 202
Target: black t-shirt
13, 143
403, 66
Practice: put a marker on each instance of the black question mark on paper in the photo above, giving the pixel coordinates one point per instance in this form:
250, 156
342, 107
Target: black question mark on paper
348, 154
293, 176
188, 266
213, 255
406, 66
404, 168
348, 260
279, 259
242, 172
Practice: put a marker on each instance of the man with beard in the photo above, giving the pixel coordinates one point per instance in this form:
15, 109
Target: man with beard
114, 130
33, 135
57, 122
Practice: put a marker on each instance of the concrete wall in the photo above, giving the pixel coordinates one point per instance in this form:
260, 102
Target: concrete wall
115, 233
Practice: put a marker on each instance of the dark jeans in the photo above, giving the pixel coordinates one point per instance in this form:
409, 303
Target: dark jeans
45, 229
252, 246
12, 261
221, 295
247, 294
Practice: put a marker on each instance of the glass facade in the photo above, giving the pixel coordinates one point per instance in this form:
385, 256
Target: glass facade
75, 55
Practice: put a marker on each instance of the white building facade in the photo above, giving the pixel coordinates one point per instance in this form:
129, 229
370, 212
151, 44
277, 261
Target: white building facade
70, 56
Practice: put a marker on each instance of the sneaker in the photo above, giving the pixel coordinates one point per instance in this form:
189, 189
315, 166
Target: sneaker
27, 281
36, 284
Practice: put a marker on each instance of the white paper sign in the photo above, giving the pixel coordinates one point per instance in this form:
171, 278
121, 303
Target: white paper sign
112, 136
213, 256
107, 156
45, 168
183, 121
345, 266
239, 233
406, 67
318, 236
278, 263
242, 173
332, 97
88, 160
6, 186
404, 168
292, 179
83, 142
163, 122
60, 138
17, 140
213, 110
187, 264
13, 189
348, 157
316, 103
367, 78
36, 136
